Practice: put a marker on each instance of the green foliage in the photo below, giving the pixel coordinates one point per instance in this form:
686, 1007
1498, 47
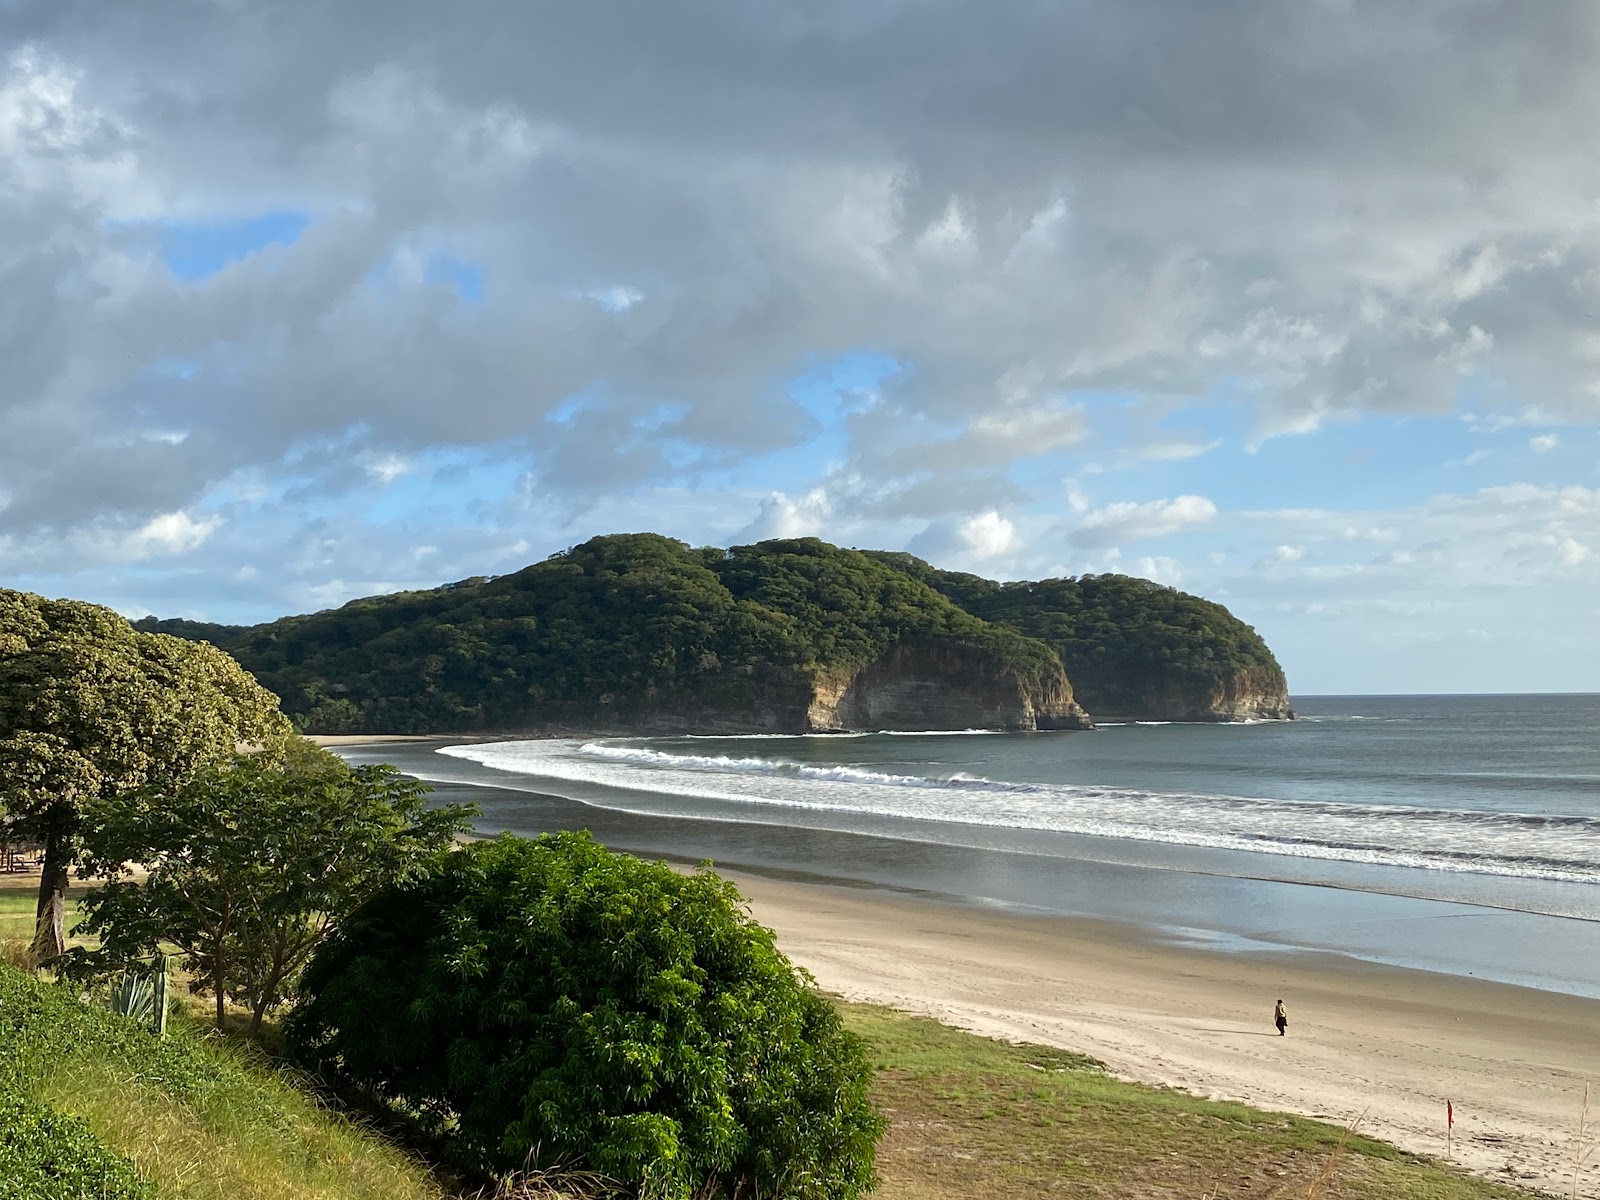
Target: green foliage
640, 629
1123, 640
250, 864
46, 1156
91, 709
134, 997
620, 630
552, 1000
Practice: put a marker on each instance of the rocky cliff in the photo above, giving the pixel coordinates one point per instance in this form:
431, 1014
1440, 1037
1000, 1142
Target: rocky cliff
942, 687
1247, 696
1135, 650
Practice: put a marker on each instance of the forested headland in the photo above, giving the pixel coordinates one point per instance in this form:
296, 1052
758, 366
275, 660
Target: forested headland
641, 632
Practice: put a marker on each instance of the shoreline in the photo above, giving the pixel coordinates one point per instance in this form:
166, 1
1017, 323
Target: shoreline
1388, 1042
1393, 1041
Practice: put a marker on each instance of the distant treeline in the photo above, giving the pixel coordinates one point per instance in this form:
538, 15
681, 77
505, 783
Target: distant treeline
624, 626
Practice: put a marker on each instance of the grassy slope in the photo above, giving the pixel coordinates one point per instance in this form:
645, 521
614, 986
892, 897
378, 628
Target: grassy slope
192, 1118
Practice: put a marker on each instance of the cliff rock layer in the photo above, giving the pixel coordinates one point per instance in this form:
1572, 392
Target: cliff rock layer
1246, 696
942, 687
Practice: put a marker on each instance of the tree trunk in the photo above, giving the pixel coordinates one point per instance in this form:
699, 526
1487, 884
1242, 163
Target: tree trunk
257, 1014
50, 932
222, 1000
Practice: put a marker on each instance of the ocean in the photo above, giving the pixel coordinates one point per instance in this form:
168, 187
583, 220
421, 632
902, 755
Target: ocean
1450, 833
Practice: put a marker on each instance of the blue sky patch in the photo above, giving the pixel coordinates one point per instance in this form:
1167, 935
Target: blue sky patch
195, 252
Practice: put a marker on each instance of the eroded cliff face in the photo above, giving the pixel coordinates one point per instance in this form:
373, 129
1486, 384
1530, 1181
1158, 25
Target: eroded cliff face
1247, 696
942, 687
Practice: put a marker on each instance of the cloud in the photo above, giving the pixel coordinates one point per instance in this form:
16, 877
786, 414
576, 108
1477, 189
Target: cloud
1514, 536
745, 194
1127, 521
984, 540
1159, 568
782, 517
1543, 443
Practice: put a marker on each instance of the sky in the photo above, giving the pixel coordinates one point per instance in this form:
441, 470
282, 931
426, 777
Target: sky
1292, 306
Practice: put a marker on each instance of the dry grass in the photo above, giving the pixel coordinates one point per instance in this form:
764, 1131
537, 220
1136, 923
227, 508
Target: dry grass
1583, 1145
224, 1149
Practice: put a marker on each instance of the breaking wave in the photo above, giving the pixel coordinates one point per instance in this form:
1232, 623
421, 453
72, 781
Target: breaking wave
759, 788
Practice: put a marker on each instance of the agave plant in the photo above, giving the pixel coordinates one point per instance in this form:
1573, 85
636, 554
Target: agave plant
142, 996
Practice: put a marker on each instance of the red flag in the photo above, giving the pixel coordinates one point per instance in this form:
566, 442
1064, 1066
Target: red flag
1449, 1115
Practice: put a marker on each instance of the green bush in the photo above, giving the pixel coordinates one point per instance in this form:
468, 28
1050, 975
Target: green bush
551, 1002
46, 1156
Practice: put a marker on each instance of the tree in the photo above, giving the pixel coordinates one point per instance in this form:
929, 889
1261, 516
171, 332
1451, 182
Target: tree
91, 709
553, 1000
251, 864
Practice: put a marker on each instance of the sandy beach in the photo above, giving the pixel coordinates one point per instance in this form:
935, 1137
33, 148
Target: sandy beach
1389, 1043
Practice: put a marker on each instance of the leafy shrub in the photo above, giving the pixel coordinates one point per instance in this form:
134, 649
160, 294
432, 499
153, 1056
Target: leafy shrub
551, 1001
46, 1156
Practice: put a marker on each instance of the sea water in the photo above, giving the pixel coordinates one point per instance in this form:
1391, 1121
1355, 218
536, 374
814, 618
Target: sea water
1458, 833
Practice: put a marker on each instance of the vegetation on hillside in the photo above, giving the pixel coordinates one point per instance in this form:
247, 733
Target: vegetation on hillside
1123, 640
551, 1001
622, 629
93, 1106
91, 709
244, 868
609, 633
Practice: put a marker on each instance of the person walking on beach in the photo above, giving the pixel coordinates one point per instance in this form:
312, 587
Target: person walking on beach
1280, 1018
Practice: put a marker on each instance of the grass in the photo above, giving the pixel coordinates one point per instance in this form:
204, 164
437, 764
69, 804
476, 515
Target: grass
195, 1118
276, 1145
971, 1117
19, 900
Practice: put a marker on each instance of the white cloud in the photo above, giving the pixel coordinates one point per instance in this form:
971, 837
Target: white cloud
1127, 521
781, 516
1160, 569
386, 468
1543, 443
1281, 555
982, 541
1571, 552
988, 534
170, 533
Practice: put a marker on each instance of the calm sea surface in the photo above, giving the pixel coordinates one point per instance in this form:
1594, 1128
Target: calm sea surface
1456, 833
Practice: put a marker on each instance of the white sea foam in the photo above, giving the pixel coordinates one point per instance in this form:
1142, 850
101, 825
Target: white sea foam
1437, 838
779, 766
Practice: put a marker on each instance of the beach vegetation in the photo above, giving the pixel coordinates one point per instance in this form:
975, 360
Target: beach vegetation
92, 709
90, 1105
244, 867
548, 1002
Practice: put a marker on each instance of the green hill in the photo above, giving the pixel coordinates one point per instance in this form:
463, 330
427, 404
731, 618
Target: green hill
1135, 650
637, 632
